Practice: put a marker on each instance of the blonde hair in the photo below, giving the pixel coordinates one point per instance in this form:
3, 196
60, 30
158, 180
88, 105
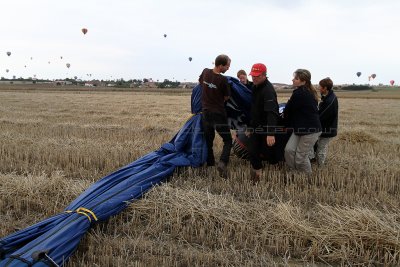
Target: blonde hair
305, 76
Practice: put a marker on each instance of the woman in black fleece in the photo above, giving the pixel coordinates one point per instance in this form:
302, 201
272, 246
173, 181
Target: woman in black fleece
302, 118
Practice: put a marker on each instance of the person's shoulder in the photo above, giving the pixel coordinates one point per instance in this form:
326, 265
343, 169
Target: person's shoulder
206, 70
304, 91
331, 95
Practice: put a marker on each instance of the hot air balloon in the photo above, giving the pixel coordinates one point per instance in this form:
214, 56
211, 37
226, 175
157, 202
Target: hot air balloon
8, 53
75, 77
61, 57
31, 58
7, 70
68, 65
84, 30
391, 82
190, 58
48, 62
373, 76
358, 74
165, 35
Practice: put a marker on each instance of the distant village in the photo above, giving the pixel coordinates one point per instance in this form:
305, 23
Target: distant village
150, 83
119, 83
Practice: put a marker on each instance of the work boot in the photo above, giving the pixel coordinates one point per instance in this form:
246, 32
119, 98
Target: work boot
255, 176
222, 169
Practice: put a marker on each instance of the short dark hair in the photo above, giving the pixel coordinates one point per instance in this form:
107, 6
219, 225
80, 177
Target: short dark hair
241, 72
222, 60
326, 83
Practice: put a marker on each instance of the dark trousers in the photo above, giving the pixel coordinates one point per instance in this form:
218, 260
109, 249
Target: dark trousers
256, 146
216, 122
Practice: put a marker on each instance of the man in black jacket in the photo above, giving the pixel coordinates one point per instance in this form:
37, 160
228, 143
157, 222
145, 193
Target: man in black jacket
264, 118
328, 110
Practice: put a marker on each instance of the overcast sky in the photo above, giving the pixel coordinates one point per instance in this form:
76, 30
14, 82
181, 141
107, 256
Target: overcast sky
125, 38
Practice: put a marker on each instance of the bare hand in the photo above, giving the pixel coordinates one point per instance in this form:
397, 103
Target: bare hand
270, 140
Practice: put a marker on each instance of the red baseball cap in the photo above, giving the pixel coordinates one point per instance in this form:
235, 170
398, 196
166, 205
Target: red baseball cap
258, 69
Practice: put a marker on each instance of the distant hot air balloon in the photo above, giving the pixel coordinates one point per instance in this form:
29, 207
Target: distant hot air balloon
84, 30
31, 58
7, 70
391, 82
25, 66
190, 58
165, 35
61, 57
8, 53
358, 74
373, 76
75, 77
68, 65
49, 62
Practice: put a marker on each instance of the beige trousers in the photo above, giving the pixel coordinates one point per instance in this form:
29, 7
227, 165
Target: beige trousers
297, 151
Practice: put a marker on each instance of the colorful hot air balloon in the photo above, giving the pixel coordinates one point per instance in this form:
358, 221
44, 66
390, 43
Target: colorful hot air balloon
391, 82
190, 58
8, 53
68, 65
358, 74
84, 30
373, 76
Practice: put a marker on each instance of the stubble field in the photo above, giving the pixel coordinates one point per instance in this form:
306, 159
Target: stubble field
54, 144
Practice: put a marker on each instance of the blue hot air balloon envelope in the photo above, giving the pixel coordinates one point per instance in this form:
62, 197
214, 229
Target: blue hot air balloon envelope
52, 241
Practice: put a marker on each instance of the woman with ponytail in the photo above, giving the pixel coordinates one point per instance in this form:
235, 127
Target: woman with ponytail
302, 118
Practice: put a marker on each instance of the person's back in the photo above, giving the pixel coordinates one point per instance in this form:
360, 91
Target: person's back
214, 89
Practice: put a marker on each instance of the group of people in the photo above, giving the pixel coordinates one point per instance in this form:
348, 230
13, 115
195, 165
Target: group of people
310, 123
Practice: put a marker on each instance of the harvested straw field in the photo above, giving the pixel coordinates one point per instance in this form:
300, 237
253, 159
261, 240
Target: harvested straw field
54, 144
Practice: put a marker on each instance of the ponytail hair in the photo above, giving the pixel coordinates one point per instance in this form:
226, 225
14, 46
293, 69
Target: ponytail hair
305, 76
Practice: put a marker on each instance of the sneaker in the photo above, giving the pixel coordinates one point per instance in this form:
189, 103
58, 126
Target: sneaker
222, 169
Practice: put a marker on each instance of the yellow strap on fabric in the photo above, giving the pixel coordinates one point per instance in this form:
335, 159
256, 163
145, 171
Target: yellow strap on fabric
88, 211
84, 211
80, 212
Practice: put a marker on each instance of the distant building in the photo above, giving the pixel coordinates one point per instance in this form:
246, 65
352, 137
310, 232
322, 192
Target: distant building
188, 85
149, 84
60, 82
93, 83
